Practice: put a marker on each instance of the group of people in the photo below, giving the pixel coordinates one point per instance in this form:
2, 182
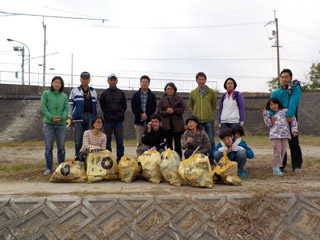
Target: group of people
160, 125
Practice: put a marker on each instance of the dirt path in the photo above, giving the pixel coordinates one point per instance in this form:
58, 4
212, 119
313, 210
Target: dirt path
29, 162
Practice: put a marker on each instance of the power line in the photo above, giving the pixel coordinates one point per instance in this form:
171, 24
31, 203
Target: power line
183, 27
300, 33
196, 60
52, 16
176, 74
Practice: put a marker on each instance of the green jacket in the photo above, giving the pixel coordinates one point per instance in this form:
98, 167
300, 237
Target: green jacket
203, 107
54, 104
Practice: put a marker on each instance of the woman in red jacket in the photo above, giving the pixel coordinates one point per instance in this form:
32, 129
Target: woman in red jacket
171, 107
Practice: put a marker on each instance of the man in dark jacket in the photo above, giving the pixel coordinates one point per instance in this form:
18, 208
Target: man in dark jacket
113, 104
143, 105
154, 136
289, 95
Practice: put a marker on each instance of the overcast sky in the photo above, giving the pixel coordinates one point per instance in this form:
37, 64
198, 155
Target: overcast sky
167, 39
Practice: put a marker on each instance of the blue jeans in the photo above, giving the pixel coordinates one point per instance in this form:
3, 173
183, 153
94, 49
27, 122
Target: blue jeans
228, 125
117, 129
49, 131
241, 159
209, 128
79, 128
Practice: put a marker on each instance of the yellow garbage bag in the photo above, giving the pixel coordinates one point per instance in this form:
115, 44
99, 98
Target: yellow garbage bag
170, 161
150, 161
129, 169
196, 171
102, 165
226, 168
70, 172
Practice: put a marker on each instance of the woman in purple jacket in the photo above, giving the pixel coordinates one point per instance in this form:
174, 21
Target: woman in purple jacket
231, 106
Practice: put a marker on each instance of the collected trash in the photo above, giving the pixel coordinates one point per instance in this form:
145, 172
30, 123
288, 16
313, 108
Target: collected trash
102, 165
129, 169
226, 172
196, 171
153, 166
150, 164
170, 161
70, 172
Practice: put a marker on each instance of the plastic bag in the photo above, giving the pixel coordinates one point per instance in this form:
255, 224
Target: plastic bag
224, 169
170, 161
196, 171
70, 172
233, 180
129, 169
150, 164
102, 165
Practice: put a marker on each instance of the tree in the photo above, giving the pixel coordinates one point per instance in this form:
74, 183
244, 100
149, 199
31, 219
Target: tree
273, 84
314, 76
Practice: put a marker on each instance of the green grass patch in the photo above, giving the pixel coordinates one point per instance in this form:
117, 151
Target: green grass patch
18, 167
311, 161
250, 140
259, 175
310, 140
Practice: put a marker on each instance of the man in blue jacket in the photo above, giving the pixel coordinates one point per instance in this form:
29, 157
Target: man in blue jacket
289, 95
82, 109
143, 106
236, 151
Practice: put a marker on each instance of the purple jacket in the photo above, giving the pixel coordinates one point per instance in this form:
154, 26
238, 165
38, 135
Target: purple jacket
236, 96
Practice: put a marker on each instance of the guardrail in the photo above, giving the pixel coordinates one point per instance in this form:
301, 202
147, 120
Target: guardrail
124, 82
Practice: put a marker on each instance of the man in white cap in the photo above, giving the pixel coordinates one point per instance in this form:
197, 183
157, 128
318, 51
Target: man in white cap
113, 103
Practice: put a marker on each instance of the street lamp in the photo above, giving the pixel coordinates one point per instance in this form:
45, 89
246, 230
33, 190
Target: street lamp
22, 50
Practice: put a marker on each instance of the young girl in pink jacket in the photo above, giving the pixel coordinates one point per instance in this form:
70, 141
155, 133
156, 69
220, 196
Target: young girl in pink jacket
279, 131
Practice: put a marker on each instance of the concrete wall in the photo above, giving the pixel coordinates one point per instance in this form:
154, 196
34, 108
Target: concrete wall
205, 216
21, 117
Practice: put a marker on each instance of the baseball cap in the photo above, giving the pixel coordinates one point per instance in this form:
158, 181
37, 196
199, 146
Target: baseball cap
112, 75
85, 75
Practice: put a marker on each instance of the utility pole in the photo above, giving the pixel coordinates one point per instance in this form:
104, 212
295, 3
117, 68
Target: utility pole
44, 52
72, 70
275, 34
277, 46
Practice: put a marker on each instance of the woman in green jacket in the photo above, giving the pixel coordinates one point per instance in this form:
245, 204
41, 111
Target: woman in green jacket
54, 106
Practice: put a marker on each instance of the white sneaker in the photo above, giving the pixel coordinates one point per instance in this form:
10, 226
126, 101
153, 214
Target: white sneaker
47, 172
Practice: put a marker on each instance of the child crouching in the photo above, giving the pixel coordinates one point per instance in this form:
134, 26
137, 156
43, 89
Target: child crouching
236, 149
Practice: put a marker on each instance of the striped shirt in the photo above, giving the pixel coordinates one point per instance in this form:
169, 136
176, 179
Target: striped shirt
144, 98
92, 141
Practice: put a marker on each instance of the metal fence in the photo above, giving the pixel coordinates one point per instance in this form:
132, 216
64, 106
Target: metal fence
124, 82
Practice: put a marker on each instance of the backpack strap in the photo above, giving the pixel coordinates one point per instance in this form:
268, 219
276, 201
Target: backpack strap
292, 85
235, 97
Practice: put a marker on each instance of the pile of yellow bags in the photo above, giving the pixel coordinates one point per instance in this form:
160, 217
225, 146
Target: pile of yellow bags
195, 170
